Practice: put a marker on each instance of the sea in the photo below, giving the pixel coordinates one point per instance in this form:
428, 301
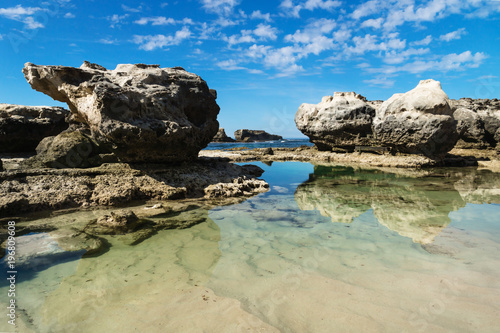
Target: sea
284, 143
329, 248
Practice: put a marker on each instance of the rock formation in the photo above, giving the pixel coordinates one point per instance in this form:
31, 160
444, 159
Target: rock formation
478, 122
419, 121
221, 136
245, 135
23, 127
26, 190
340, 121
144, 113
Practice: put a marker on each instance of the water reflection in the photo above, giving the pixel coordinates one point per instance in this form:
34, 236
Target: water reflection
415, 204
274, 264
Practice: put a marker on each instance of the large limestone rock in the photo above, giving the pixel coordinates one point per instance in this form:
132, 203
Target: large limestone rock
221, 136
146, 113
246, 135
419, 121
478, 122
23, 127
339, 121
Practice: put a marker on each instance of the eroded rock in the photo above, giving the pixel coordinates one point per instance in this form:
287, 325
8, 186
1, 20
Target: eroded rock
417, 122
343, 121
23, 127
221, 136
144, 112
246, 135
478, 122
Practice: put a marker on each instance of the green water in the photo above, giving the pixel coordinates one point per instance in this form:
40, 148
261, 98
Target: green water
327, 249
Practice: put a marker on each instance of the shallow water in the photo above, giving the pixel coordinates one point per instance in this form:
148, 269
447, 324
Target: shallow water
327, 249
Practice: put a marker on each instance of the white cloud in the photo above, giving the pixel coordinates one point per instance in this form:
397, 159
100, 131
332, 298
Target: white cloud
365, 44
292, 9
266, 32
424, 42
160, 20
342, 35
383, 82
31, 24
461, 61
449, 62
132, 10
245, 37
257, 15
322, 4
394, 57
69, 15
257, 51
457, 34
23, 14
116, 20
367, 9
1, 36
17, 13
229, 65
312, 30
108, 41
150, 42
220, 7
373, 23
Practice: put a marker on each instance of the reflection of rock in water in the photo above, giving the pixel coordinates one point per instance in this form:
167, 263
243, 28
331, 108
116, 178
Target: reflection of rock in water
479, 186
417, 208
339, 197
413, 211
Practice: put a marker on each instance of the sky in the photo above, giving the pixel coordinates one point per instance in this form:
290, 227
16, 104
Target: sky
264, 58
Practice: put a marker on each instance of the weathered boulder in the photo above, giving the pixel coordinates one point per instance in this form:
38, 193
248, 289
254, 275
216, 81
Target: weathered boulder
146, 113
221, 136
478, 122
246, 135
70, 149
417, 122
23, 127
340, 121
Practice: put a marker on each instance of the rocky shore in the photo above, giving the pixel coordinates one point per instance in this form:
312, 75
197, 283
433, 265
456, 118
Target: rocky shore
456, 158
131, 134
136, 133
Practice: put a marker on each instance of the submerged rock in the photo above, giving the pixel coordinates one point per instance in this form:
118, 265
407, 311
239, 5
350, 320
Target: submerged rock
23, 127
123, 220
417, 122
144, 112
221, 136
343, 121
478, 122
246, 135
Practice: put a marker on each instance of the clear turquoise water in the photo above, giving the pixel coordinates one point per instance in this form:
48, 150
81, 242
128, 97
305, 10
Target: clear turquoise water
327, 249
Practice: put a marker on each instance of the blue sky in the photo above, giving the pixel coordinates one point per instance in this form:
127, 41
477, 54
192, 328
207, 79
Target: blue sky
264, 58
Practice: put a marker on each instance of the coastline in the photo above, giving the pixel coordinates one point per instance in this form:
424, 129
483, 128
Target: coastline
488, 159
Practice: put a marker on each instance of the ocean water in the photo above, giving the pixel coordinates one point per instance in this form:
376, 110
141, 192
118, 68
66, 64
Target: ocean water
327, 249
285, 143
